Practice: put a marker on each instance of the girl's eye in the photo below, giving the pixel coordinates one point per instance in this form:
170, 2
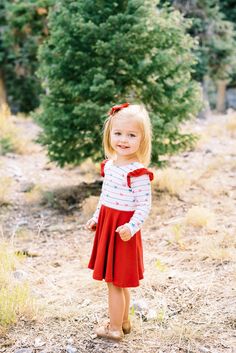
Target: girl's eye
132, 135
117, 133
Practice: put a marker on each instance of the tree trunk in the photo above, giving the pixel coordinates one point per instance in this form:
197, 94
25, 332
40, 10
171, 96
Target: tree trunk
221, 93
206, 110
3, 96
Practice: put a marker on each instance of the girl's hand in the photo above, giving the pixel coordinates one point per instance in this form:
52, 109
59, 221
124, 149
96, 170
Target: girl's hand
91, 225
124, 232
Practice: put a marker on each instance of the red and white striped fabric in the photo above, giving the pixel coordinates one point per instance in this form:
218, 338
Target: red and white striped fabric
126, 188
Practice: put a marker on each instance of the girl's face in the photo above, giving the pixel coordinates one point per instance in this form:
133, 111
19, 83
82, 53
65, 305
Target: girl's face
125, 137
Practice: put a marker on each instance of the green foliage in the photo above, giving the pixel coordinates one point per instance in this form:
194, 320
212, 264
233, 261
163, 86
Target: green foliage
113, 52
228, 7
5, 146
23, 28
216, 52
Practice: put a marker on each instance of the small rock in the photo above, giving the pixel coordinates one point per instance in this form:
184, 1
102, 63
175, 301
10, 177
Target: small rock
38, 342
55, 228
86, 302
24, 350
27, 187
204, 350
47, 167
140, 305
70, 349
20, 274
151, 315
93, 336
22, 223
70, 340
11, 155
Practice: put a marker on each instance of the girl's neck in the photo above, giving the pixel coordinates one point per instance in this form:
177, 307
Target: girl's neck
123, 161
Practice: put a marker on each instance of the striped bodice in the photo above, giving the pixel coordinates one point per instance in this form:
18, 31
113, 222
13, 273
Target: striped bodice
126, 188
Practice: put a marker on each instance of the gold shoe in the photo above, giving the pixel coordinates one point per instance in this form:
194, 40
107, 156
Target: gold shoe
126, 327
105, 332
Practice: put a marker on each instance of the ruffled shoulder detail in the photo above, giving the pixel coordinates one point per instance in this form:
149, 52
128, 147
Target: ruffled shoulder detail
137, 173
103, 166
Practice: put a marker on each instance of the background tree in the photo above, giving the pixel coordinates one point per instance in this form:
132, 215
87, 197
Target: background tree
102, 53
216, 52
228, 7
3, 96
23, 28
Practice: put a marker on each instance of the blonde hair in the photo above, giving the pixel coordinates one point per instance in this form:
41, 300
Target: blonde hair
140, 114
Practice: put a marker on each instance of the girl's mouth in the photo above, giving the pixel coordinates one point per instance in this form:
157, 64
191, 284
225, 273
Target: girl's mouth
123, 147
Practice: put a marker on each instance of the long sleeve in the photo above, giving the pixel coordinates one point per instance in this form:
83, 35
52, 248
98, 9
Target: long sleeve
96, 213
141, 188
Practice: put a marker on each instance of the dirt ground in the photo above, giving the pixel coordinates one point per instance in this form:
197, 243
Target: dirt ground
187, 300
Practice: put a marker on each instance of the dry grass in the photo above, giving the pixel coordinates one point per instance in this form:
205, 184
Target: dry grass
5, 189
177, 236
185, 333
15, 296
231, 123
10, 136
24, 234
172, 180
220, 247
214, 130
211, 187
88, 208
203, 138
34, 195
214, 166
198, 216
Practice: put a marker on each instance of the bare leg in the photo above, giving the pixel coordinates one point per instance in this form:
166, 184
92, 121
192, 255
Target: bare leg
117, 304
127, 304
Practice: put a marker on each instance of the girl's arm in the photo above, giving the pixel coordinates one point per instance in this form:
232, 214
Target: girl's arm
96, 213
141, 188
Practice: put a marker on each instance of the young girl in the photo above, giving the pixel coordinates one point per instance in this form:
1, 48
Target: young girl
124, 204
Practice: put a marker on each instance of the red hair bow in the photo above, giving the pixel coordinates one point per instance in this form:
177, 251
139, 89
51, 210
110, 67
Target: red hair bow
116, 108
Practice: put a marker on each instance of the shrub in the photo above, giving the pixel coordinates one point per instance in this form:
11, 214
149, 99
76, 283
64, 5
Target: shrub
172, 180
113, 52
198, 216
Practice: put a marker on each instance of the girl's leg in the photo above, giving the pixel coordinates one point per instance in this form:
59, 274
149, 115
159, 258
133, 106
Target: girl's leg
127, 304
117, 306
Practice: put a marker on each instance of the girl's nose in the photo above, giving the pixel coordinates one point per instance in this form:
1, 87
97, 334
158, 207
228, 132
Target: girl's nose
123, 138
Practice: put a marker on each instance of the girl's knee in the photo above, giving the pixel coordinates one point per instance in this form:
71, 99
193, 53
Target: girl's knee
114, 287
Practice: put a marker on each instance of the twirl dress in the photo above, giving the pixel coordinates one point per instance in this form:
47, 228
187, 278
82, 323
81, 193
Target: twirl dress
125, 200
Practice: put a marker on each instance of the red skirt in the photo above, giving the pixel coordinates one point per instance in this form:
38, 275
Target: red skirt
112, 259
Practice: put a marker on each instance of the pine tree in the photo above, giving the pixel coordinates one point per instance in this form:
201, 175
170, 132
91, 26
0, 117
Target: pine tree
102, 53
